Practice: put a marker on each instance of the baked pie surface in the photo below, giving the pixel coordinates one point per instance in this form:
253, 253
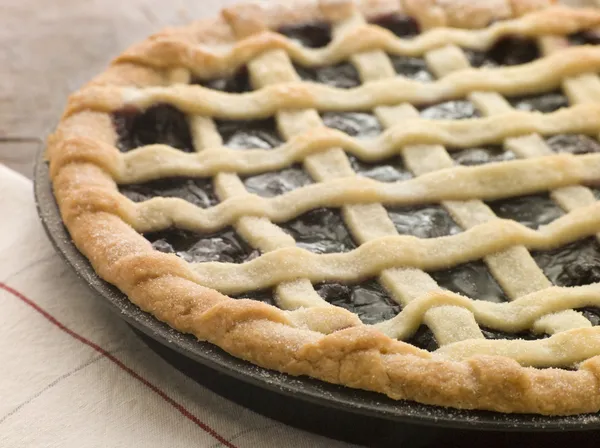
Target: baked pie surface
398, 197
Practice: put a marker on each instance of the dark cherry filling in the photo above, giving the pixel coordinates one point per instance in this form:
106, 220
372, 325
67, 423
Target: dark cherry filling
225, 246
424, 338
471, 279
266, 295
481, 155
512, 50
450, 110
277, 182
576, 264
497, 334
587, 37
390, 170
322, 230
573, 143
412, 68
423, 222
592, 314
162, 123
546, 102
353, 123
197, 191
406, 27
252, 134
368, 300
573, 265
312, 35
478, 58
532, 211
343, 76
401, 25
238, 83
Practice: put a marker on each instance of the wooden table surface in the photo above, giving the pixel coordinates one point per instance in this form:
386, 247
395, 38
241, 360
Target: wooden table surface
49, 48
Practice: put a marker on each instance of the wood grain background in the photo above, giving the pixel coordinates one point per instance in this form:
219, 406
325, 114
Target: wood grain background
49, 48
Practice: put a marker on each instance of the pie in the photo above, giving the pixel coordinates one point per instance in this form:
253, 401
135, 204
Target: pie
393, 196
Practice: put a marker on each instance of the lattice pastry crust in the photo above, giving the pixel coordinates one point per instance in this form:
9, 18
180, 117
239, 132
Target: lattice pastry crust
308, 336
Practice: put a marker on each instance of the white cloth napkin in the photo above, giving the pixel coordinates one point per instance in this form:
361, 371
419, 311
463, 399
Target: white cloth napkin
72, 374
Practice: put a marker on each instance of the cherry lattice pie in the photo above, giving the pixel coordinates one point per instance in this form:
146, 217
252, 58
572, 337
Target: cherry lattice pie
398, 196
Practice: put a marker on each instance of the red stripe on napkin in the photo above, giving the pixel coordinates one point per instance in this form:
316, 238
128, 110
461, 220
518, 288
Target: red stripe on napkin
122, 366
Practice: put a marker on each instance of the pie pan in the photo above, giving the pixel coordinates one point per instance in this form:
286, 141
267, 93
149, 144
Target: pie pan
332, 410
